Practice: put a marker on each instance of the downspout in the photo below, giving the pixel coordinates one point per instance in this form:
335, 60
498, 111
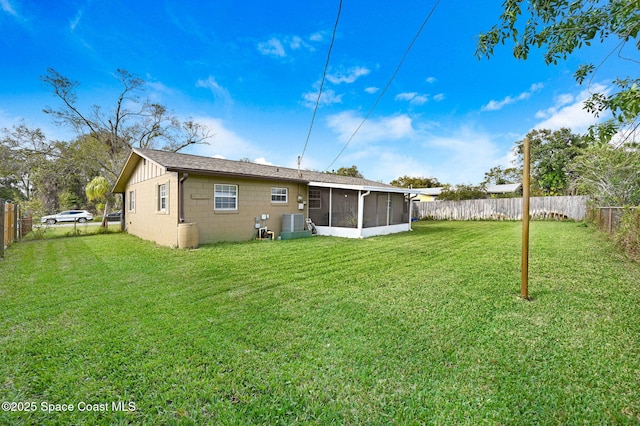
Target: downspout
181, 196
411, 198
361, 211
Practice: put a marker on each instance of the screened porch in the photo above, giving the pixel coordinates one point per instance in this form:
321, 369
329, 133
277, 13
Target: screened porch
359, 212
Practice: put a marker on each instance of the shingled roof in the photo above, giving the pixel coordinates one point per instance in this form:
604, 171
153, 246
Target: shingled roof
196, 164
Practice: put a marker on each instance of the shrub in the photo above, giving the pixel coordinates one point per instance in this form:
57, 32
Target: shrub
628, 235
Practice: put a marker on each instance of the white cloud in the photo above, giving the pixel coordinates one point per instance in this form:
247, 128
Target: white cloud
225, 142
439, 97
328, 97
215, 88
319, 36
430, 80
568, 111
463, 156
406, 96
373, 130
371, 90
278, 47
413, 98
494, 105
347, 76
75, 21
6, 6
262, 160
272, 47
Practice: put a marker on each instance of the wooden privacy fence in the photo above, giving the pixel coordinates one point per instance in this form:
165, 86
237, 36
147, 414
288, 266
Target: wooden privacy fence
569, 207
608, 218
9, 224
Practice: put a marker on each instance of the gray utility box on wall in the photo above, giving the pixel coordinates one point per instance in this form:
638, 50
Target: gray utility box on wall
292, 222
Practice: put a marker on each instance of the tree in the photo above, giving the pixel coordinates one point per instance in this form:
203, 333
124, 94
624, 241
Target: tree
551, 151
132, 122
22, 153
562, 27
416, 182
608, 175
499, 176
347, 171
98, 189
462, 192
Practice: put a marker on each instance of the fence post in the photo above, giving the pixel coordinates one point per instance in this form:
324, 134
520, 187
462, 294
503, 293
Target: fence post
16, 226
2, 204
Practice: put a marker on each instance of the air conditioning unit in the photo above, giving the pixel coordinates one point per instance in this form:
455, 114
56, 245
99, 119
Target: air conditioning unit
292, 222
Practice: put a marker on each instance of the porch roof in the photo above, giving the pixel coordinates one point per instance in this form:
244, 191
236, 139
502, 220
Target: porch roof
393, 189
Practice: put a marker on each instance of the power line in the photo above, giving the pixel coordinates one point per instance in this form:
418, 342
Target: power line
324, 75
386, 87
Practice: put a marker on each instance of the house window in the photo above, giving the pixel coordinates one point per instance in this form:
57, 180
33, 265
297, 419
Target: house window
225, 197
279, 195
132, 201
314, 199
162, 198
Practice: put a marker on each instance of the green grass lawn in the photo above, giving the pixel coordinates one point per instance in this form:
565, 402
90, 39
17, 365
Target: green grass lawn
420, 327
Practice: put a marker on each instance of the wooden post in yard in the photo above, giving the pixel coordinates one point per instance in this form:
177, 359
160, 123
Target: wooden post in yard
526, 178
2, 204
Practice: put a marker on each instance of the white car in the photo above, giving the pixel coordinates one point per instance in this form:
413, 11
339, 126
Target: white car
80, 216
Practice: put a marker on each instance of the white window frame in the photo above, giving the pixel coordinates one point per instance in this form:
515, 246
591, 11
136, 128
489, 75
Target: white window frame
162, 191
225, 192
312, 199
278, 193
132, 200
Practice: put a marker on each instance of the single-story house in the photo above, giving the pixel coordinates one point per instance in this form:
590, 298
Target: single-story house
428, 194
229, 200
507, 188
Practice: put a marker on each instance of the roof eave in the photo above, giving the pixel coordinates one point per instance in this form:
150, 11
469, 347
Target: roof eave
366, 187
231, 174
129, 166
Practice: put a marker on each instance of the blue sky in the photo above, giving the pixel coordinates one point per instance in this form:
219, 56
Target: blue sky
251, 72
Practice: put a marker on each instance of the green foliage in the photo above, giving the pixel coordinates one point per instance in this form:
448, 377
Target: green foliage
499, 176
9, 189
98, 188
69, 200
627, 237
416, 182
107, 134
551, 152
415, 328
609, 175
561, 28
347, 171
462, 192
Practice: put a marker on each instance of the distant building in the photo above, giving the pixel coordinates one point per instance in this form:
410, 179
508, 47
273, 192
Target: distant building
507, 188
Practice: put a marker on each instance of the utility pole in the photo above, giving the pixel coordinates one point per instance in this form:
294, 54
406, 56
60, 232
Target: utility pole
526, 180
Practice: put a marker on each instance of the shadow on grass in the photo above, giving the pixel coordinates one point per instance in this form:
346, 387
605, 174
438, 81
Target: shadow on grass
46, 232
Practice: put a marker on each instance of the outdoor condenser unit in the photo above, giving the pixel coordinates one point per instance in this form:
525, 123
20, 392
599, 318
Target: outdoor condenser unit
292, 222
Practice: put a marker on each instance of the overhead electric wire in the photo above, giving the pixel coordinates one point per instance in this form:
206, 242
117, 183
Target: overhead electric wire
324, 75
386, 87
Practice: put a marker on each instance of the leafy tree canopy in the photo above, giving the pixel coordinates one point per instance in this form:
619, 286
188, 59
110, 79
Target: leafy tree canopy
462, 192
416, 182
347, 171
560, 27
499, 176
551, 151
